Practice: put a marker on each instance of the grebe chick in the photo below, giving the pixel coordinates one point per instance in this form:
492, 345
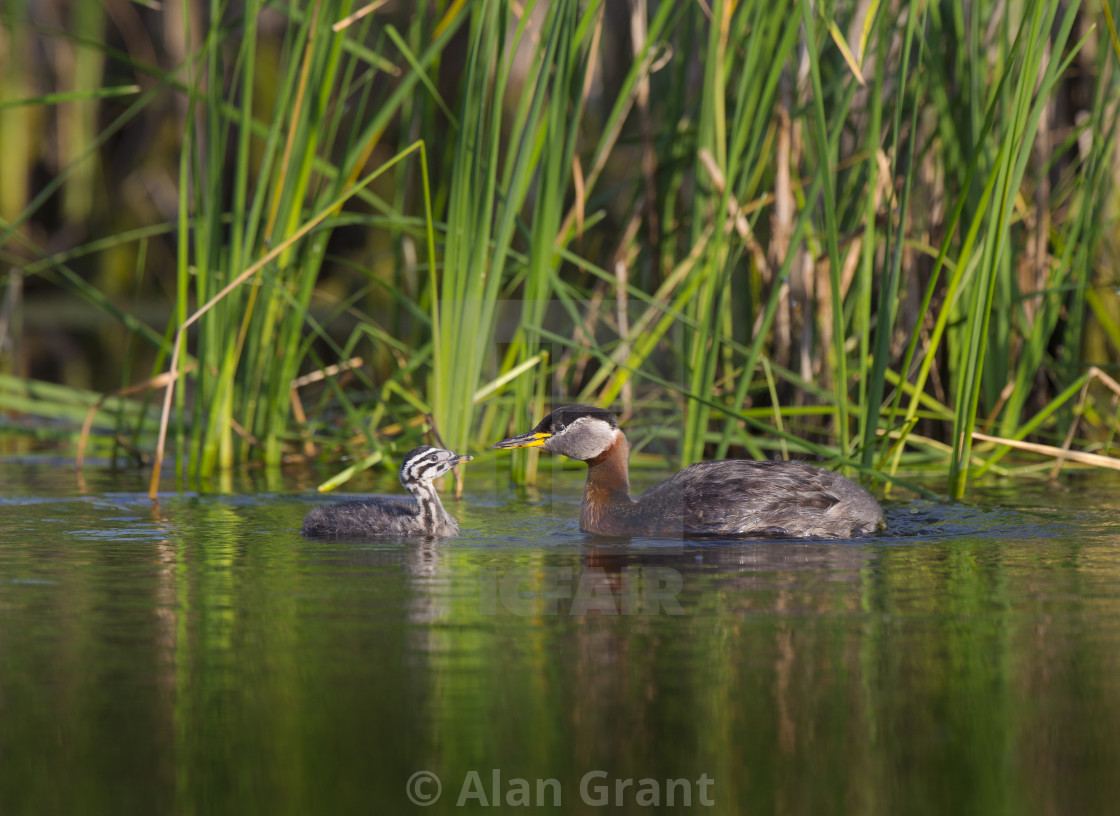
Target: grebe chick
394, 518
733, 498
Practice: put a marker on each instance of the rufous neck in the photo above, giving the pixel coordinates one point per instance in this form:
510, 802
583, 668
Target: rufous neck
608, 474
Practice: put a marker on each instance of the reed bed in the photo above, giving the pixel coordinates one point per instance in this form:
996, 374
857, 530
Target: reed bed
879, 234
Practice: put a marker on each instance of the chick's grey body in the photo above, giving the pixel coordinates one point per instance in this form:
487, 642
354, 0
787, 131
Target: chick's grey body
376, 518
390, 517
730, 498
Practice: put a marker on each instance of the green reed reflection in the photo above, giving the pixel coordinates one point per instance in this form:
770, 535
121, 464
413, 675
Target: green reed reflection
202, 657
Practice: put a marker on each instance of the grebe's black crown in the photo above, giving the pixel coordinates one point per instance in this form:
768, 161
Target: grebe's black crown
562, 417
577, 431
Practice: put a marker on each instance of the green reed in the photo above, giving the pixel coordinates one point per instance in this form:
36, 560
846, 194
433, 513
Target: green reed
773, 231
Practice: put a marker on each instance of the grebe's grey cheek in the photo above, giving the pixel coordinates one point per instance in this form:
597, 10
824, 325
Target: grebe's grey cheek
583, 439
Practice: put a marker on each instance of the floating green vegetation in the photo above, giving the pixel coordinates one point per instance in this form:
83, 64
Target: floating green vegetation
881, 234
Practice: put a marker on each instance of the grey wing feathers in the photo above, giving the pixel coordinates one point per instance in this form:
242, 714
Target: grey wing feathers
765, 499
360, 517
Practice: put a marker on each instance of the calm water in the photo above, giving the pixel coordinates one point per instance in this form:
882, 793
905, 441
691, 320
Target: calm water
200, 657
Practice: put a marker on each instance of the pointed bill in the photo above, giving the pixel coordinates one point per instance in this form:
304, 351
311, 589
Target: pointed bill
532, 439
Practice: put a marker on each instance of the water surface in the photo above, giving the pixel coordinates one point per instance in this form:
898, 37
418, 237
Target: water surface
199, 656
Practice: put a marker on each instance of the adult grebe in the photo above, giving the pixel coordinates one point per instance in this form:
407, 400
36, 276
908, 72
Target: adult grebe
394, 518
733, 498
